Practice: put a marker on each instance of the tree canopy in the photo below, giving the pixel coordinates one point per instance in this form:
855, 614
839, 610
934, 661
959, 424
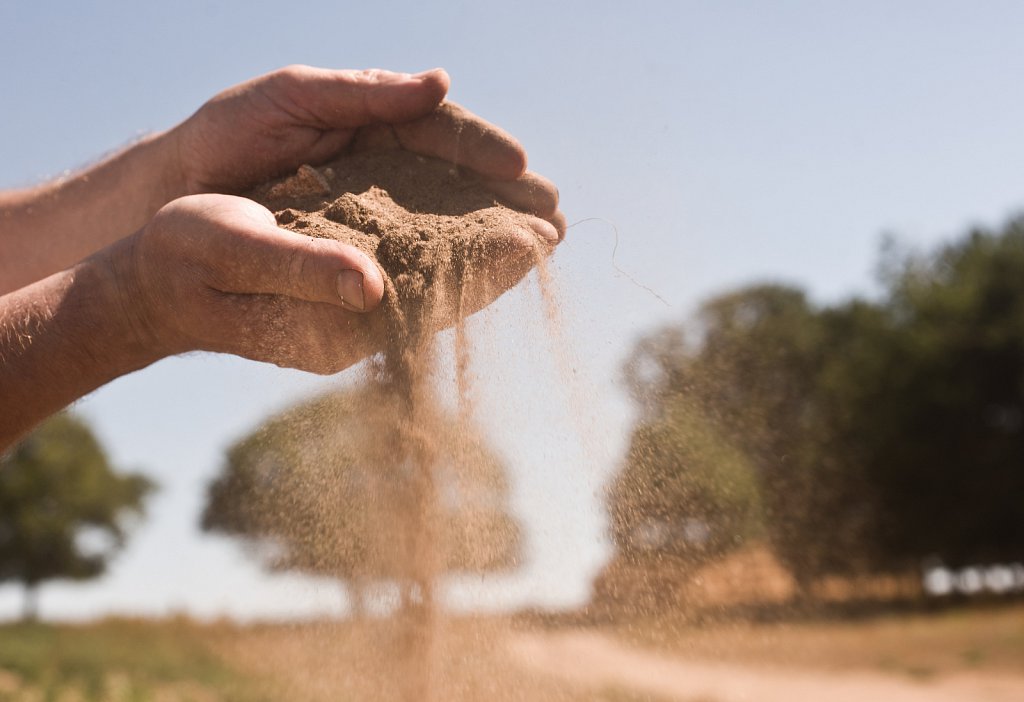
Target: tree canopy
878, 432
64, 511
319, 489
686, 490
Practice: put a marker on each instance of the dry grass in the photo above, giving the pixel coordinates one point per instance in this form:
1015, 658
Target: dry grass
369, 661
920, 645
176, 661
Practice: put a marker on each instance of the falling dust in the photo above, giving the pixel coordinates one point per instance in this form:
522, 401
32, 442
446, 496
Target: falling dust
446, 248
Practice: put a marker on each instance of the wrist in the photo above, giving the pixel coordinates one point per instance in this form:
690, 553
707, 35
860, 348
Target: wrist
113, 304
61, 338
162, 155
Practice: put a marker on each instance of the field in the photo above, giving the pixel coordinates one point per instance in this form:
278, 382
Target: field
968, 654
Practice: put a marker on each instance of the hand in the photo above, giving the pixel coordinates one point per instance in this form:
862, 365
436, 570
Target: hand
216, 273
271, 125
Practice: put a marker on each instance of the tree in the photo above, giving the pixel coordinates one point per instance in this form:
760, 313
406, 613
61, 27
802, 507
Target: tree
64, 512
947, 465
880, 433
724, 404
685, 491
321, 489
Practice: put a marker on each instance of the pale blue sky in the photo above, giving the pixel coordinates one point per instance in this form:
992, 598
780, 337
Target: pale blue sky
728, 142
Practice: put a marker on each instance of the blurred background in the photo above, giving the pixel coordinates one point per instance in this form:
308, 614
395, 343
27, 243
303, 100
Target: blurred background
787, 379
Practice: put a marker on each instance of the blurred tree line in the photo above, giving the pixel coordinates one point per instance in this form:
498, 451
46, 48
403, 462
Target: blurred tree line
854, 438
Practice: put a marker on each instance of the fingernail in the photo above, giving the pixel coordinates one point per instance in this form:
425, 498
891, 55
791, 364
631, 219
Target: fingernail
350, 289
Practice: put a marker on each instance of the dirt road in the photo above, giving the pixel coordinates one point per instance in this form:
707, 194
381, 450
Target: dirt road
599, 661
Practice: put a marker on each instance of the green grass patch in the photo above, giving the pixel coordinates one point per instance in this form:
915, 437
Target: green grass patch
116, 660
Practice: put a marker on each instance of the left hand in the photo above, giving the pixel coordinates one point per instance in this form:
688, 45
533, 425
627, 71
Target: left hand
269, 126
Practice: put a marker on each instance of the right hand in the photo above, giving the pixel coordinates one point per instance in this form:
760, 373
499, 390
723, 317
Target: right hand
216, 273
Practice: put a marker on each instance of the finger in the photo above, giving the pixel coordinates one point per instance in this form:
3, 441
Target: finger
530, 192
250, 254
454, 134
281, 262
557, 220
310, 336
348, 99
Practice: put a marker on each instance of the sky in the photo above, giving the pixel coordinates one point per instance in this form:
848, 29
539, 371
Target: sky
700, 145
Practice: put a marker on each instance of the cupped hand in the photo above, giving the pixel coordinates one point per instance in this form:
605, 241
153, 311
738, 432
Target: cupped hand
269, 126
272, 124
215, 273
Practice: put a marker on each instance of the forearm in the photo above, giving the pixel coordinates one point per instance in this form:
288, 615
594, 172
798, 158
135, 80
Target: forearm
53, 226
61, 338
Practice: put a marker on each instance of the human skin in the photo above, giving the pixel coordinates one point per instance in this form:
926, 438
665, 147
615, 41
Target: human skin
150, 253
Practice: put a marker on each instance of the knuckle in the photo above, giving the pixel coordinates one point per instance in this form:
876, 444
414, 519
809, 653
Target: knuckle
286, 82
296, 267
292, 73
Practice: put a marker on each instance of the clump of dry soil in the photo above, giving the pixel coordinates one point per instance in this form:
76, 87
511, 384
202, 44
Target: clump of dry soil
430, 226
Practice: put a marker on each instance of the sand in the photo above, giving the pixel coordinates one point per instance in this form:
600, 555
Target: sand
445, 247
430, 226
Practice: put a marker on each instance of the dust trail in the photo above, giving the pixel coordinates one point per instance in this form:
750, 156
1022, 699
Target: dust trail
390, 487
567, 364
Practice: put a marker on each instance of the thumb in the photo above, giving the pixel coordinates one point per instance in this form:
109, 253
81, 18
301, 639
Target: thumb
255, 256
316, 270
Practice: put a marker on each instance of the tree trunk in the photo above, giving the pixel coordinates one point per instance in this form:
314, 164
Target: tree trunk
30, 603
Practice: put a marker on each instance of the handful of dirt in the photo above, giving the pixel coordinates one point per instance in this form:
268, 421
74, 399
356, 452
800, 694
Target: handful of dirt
432, 229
